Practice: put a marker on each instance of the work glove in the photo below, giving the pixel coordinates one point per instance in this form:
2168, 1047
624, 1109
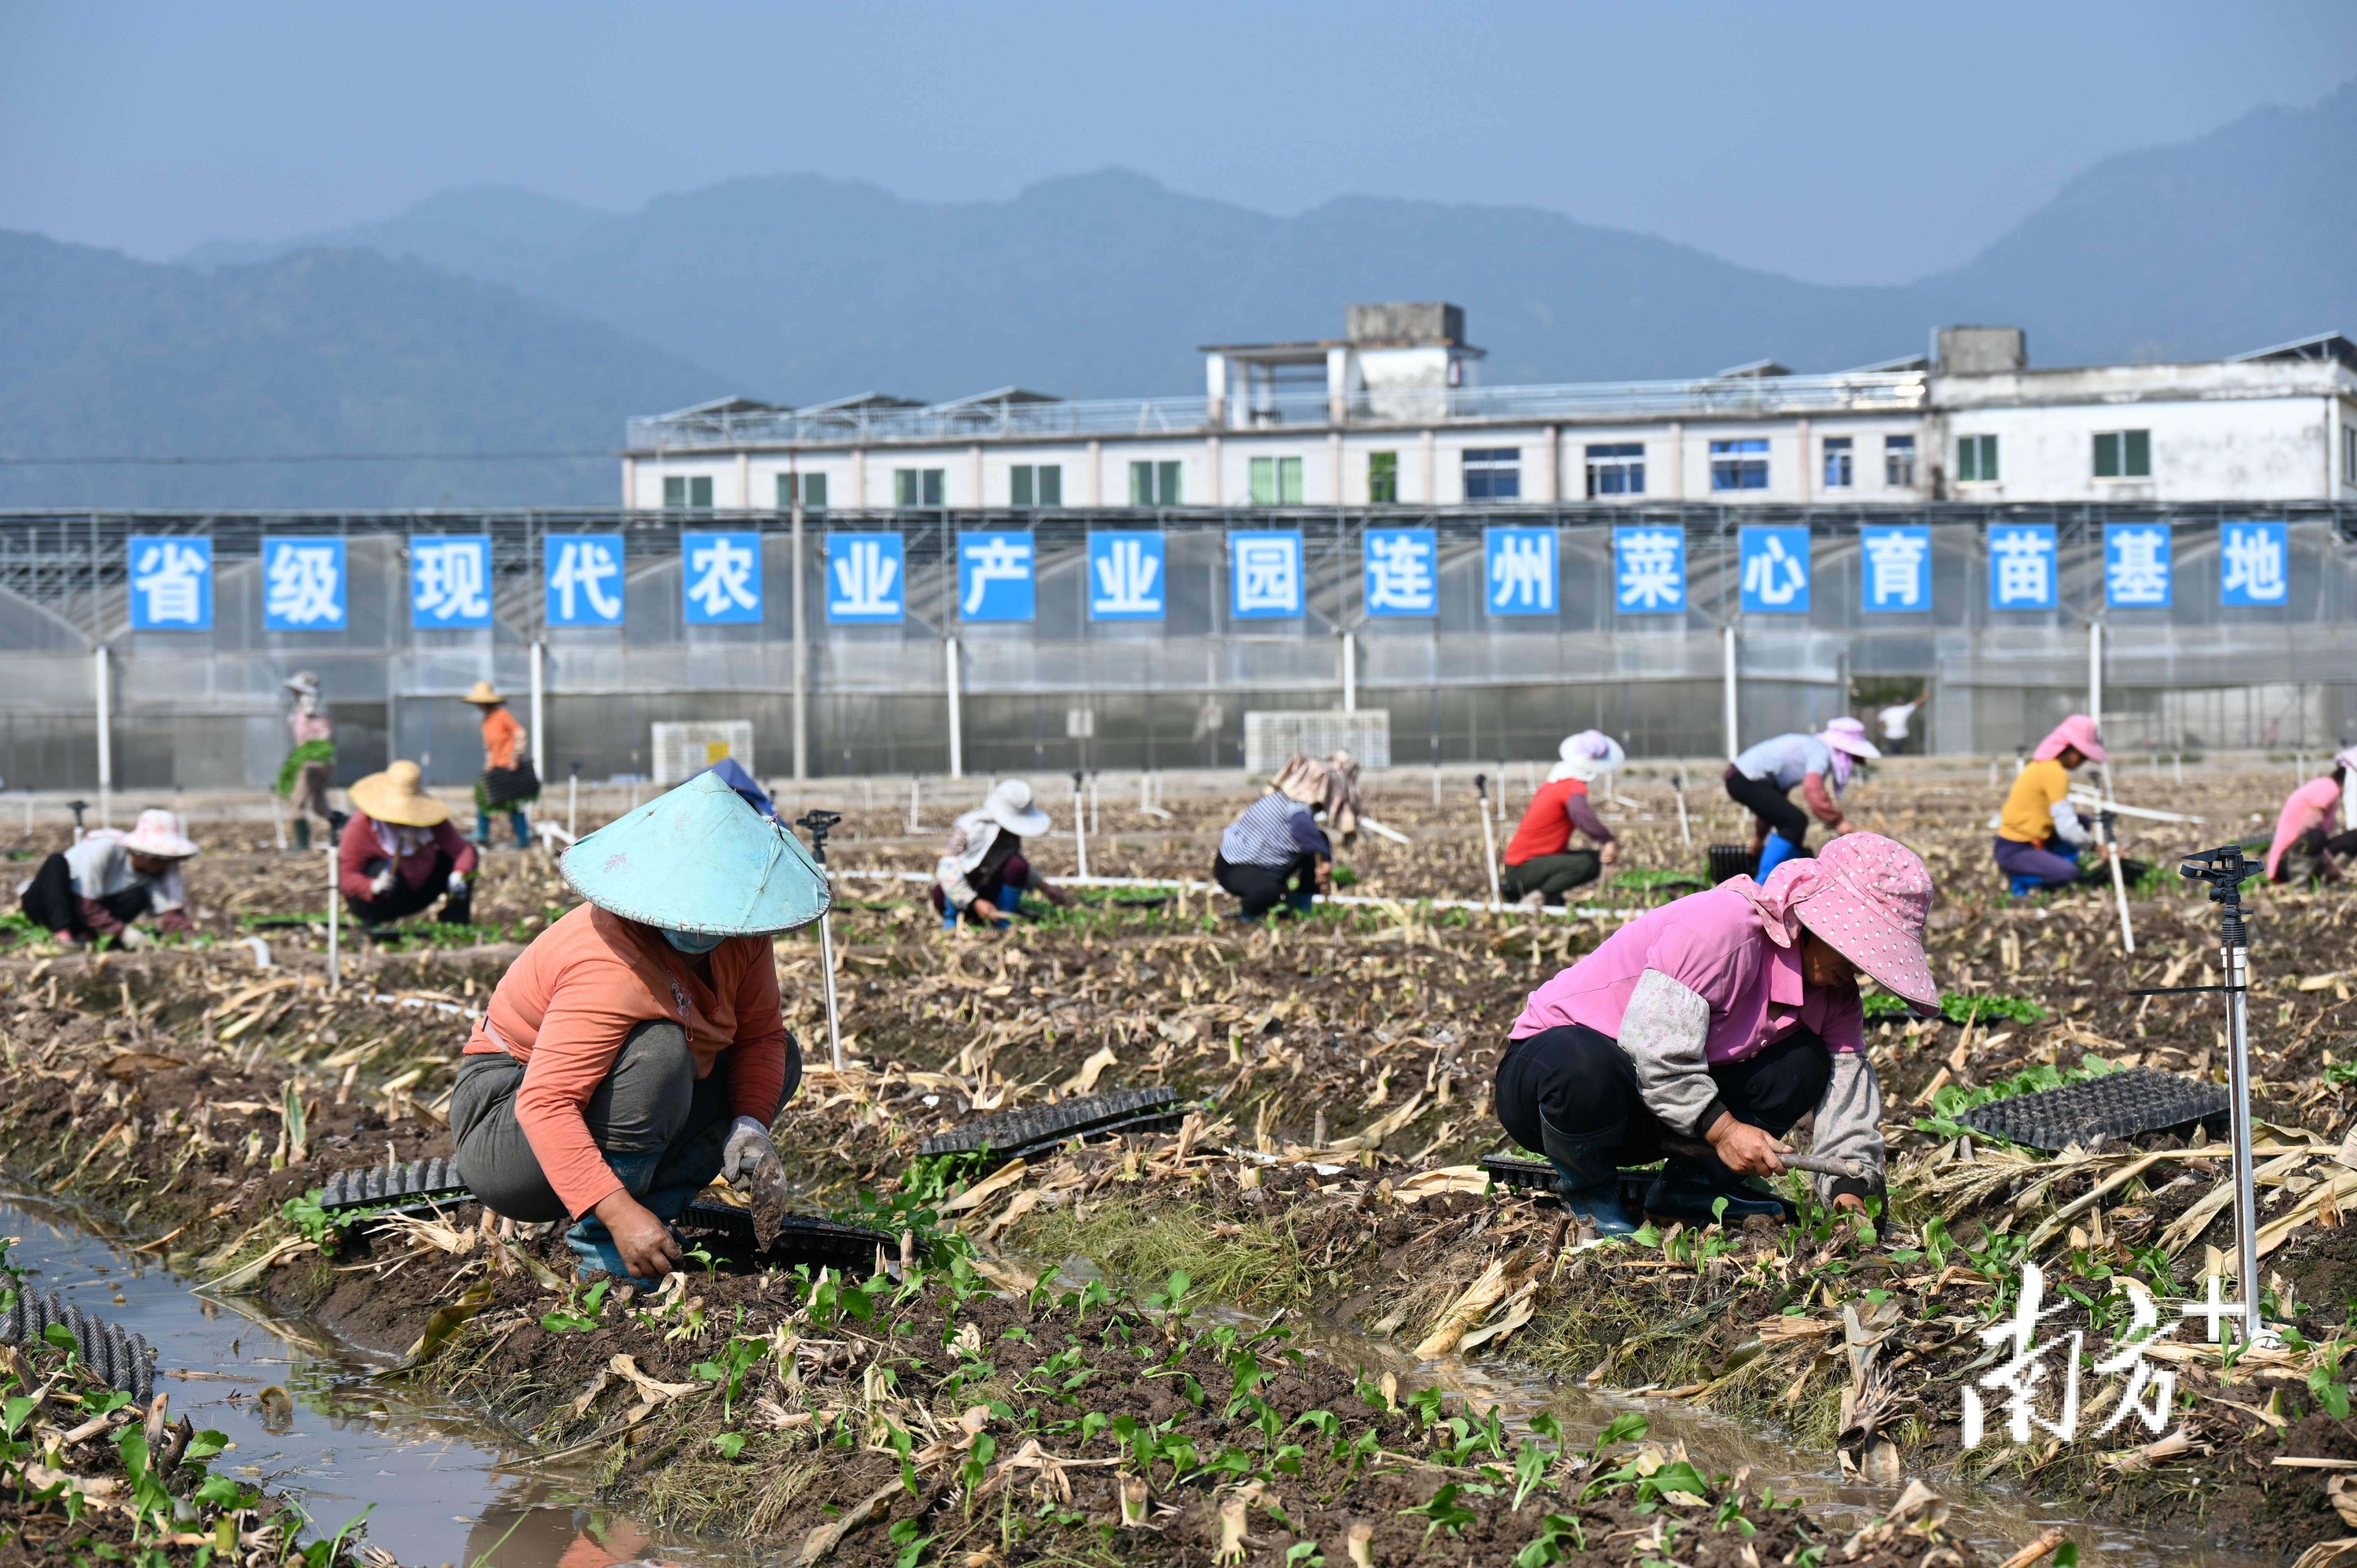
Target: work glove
383, 883
751, 1165
458, 884
133, 939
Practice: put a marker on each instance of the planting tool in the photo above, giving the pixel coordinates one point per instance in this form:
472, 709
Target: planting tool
818, 824
1489, 836
2226, 871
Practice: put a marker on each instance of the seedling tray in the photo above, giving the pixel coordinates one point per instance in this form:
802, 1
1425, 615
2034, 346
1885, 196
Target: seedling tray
2122, 1104
1730, 860
727, 1231
125, 1360
1034, 1128
416, 1186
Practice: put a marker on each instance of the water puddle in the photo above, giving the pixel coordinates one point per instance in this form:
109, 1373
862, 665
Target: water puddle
440, 1486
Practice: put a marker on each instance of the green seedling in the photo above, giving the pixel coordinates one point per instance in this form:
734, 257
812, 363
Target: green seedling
578, 1317
1548, 1546
1444, 1511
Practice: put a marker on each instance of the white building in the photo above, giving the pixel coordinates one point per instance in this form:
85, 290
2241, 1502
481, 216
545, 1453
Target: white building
1394, 413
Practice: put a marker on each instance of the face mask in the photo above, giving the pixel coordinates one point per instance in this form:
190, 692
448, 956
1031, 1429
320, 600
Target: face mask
691, 941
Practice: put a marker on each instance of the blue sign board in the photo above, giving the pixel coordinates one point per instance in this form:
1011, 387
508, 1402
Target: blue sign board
865, 585
2254, 564
2021, 566
1895, 568
1519, 571
1775, 565
1265, 573
720, 578
171, 582
449, 580
1649, 569
584, 578
303, 586
1403, 571
2136, 566
997, 577
1125, 576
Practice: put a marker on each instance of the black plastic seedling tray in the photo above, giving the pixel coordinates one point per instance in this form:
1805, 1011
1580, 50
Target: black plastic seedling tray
418, 1185
125, 1360
2123, 1104
1034, 1128
1731, 860
801, 1239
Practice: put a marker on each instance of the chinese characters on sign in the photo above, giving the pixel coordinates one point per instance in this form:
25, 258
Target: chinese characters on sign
1649, 569
1125, 578
2137, 564
1775, 563
2254, 564
1896, 568
1519, 566
721, 578
583, 573
2021, 566
864, 578
171, 583
449, 580
302, 585
995, 581
1265, 573
1402, 571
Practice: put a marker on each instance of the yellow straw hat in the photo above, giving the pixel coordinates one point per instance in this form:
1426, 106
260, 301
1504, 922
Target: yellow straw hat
397, 796
484, 693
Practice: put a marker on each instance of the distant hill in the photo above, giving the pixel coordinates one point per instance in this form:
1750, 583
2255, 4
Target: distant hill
318, 351
800, 287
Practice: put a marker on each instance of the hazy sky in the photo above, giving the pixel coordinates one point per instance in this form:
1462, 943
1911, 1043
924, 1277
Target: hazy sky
1840, 143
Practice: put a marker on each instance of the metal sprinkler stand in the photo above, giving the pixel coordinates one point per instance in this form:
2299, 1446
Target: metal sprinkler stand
1489, 838
2226, 871
78, 807
818, 824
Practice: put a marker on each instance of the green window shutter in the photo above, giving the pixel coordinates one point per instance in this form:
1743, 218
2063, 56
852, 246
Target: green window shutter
936, 485
2107, 455
904, 487
1264, 481
1170, 474
674, 492
1382, 476
1988, 458
1051, 485
1018, 485
813, 492
1288, 481
2137, 459
785, 492
1141, 483
1968, 459
699, 491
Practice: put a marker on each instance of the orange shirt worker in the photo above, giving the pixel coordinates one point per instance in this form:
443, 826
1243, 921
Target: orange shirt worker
638, 1048
508, 782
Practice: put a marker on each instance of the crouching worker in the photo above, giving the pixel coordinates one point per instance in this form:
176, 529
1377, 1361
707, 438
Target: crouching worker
1762, 780
111, 880
2304, 844
981, 876
399, 851
1716, 1022
2040, 834
1541, 866
1275, 853
638, 1048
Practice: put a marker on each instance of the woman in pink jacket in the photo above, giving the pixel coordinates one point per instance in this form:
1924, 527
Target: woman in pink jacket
2305, 844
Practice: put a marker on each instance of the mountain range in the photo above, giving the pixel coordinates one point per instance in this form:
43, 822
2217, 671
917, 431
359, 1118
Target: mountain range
496, 318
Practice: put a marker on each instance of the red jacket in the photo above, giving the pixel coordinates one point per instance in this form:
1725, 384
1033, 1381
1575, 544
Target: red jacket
358, 857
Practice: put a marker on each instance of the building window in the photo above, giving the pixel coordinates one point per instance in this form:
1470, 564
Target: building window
1155, 484
2348, 454
1839, 476
1898, 462
2123, 455
1493, 473
813, 488
1739, 465
1036, 484
1276, 481
919, 487
1615, 468
1383, 475
1977, 459
682, 492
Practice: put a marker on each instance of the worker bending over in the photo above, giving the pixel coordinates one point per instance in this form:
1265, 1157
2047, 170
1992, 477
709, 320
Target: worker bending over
1275, 853
1761, 780
399, 853
1719, 1021
2304, 845
1541, 866
2040, 834
982, 875
110, 880
508, 782
638, 1048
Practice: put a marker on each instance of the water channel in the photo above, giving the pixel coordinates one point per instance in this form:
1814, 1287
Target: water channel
442, 1485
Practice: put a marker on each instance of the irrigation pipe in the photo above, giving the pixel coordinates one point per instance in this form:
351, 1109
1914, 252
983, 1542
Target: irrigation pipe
1348, 901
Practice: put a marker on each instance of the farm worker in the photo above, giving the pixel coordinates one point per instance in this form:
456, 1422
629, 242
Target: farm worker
110, 879
982, 874
1541, 866
638, 1048
1274, 852
2302, 847
400, 851
1722, 1019
309, 768
1894, 723
1761, 780
508, 782
2039, 833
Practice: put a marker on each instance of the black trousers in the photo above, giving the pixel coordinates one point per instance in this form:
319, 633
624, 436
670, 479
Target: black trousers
1553, 874
402, 898
1584, 1084
2303, 857
1771, 805
51, 900
1262, 888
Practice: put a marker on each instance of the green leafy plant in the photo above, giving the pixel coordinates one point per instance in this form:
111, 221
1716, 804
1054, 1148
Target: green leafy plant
567, 1320
1444, 1511
1548, 1545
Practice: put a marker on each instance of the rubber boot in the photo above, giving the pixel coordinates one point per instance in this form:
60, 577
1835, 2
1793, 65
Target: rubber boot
1301, 901
483, 829
1690, 1185
1775, 853
301, 833
1587, 1180
522, 830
